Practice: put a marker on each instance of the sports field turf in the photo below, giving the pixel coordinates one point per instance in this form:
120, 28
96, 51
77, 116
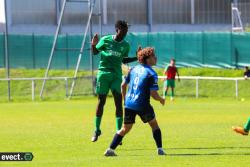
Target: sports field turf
195, 133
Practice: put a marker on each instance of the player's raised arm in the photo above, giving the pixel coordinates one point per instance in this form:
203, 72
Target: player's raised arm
94, 42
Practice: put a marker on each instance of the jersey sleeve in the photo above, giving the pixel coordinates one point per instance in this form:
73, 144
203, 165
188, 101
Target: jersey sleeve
100, 44
127, 78
153, 82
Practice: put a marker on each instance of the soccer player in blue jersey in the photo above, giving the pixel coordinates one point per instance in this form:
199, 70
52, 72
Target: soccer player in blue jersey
142, 80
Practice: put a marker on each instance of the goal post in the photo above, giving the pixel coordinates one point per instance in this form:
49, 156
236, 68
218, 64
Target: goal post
237, 25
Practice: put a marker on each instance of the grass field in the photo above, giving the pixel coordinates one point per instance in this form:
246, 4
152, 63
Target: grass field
195, 133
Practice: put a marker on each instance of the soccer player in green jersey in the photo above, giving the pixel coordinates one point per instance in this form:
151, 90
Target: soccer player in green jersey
243, 130
114, 51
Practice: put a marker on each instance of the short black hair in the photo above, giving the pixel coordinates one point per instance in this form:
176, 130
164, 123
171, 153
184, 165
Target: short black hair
121, 24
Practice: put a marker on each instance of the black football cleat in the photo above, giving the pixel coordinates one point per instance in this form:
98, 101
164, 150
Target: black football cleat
95, 136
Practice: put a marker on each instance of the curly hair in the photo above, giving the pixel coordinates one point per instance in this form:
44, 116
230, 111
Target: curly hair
145, 53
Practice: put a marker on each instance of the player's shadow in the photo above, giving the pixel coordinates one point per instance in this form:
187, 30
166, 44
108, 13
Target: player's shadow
215, 153
208, 154
211, 153
207, 148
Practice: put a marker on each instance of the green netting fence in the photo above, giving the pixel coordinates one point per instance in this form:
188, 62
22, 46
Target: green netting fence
196, 49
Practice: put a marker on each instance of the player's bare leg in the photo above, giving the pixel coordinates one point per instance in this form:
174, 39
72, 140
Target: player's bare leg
125, 129
119, 111
165, 93
172, 94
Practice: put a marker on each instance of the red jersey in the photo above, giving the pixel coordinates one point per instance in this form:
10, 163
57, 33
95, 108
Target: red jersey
171, 72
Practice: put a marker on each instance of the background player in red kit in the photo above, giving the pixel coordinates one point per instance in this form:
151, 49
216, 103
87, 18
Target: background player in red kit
170, 72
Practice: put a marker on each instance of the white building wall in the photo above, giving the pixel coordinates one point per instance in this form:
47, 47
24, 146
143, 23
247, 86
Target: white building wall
167, 15
2, 16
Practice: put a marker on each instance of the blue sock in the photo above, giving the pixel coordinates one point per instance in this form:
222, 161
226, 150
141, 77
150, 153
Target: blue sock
116, 141
157, 137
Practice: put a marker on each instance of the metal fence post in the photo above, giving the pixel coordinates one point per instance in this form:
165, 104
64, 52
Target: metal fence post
33, 89
175, 45
192, 12
33, 51
236, 88
149, 15
197, 88
66, 86
67, 51
203, 49
6, 42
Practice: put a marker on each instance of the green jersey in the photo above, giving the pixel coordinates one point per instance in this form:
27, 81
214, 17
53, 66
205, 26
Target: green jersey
112, 53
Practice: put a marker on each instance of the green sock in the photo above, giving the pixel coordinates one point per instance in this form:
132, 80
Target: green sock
98, 123
118, 123
172, 93
247, 125
166, 93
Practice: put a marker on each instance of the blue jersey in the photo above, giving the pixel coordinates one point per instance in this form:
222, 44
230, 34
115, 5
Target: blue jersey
141, 79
